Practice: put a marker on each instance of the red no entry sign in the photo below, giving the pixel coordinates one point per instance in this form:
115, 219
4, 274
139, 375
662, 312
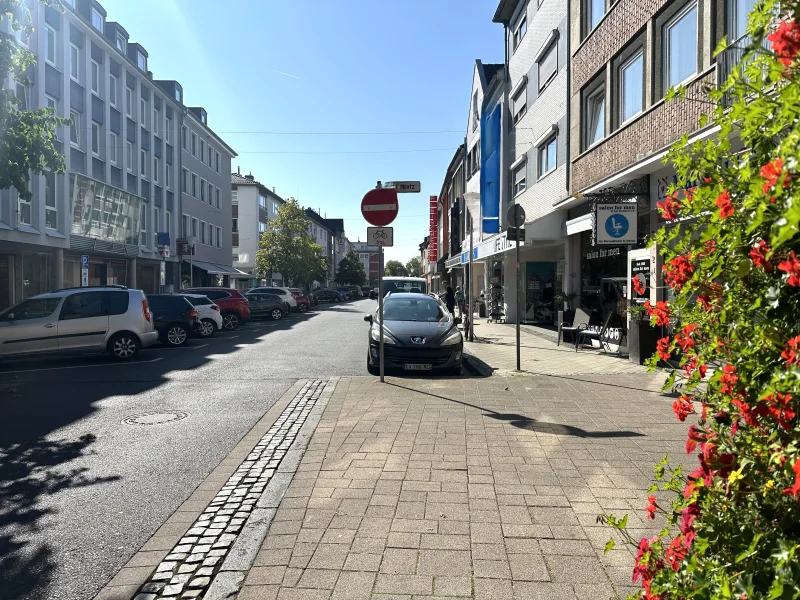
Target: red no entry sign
379, 206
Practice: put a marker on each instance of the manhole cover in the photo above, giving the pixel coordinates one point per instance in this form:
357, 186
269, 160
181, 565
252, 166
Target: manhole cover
155, 418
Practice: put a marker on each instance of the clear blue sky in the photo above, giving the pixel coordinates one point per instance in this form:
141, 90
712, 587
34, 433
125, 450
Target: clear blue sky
349, 66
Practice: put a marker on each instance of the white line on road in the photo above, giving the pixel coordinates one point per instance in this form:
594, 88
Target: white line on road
117, 364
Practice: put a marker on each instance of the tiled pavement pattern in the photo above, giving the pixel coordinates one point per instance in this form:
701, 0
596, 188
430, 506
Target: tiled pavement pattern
468, 488
495, 345
187, 571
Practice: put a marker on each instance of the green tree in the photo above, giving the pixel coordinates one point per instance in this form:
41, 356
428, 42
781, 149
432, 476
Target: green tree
287, 248
27, 137
731, 262
414, 268
394, 268
351, 270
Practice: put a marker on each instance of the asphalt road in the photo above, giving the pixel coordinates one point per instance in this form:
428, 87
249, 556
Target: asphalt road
81, 490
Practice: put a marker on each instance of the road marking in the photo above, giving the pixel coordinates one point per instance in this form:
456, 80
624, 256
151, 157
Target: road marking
115, 364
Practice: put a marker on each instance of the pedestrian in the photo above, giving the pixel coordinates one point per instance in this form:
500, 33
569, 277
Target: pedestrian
450, 300
460, 300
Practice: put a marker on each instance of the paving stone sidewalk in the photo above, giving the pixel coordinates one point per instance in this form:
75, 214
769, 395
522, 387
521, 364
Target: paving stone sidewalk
479, 488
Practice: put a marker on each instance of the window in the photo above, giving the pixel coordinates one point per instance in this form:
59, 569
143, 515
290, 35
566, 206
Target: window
519, 102
97, 20
519, 176
50, 207
122, 44
194, 185
75, 128
129, 157
211, 152
202, 151
219, 237
185, 181
476, 114
631, 81
143, 219
155, 226
595, 9
33, 308
548, 64
216, 158
183, 137
143, 112
112, 148
547, 156
202, 232
141, 61
177, 95
50, 45
70, 2
194, 144
595, 116
85, 305
168, 175
203, 190
74, 62
521, 28
184, 225
22, 96
95, 138
156, 169
24, 211
112, 91
95, 78
235, 225
143, 163
51, 103
738, 10
680, 47
210, 194
234, 198
168, 223
157, 122
219, 192
129, 101
195, 222
169, 130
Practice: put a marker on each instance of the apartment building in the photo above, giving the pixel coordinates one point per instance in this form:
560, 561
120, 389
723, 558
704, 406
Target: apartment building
451, 222
120, 189
368, 255
253, 206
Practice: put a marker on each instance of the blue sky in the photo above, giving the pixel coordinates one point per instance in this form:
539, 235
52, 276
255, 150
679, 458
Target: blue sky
332, 66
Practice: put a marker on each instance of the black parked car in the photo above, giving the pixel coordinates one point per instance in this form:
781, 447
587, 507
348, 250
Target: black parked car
329, 296
266, 305
174, 318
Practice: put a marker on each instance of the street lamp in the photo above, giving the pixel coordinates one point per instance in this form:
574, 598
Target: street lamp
474, 198
191, 240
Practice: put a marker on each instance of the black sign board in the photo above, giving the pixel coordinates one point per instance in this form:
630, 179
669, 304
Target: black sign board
516, 232
184, 248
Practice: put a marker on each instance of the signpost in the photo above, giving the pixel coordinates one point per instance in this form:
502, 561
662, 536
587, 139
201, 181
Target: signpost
84, 270
516, 219
381, 236
404, 187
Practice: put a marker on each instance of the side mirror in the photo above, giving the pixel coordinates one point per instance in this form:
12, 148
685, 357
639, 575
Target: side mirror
457, 320
368, 319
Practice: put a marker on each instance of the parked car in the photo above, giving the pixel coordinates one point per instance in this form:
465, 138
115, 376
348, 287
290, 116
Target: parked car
267, 305
416, 285
365, 291
345, 292
312, 295
329, 296
285, 294
419, 334
113, 319
356, 292
373, 294
303, 301
209, 314
232, 304
174, 317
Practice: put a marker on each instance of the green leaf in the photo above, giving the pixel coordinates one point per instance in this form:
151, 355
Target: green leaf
776, 589
609, 545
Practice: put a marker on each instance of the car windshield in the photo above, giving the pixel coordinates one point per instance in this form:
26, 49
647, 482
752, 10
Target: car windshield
410, 309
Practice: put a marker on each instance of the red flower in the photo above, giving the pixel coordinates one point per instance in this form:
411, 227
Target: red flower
662, 347
724, 204
678, 271
789, 353
642, 569
758, 253
792, 267
695, 435
795, 489
772, 172
786, 41
669, 207
779, 408
683, 407
727, 380
652, 507
684, 338
676, 552
660, 312
637, 285
745, 411
710, 246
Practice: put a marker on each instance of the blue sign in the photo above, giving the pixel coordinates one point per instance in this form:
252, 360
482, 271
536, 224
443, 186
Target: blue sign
617, 225
84, 261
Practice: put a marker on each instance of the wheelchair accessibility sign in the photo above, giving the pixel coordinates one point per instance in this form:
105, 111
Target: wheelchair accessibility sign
616, 223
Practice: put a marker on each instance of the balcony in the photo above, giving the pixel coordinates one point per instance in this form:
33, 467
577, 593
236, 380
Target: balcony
734, 56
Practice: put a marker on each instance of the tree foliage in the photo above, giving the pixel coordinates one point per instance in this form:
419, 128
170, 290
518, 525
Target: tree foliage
289, 249
351, 270
394, 268
28, 142
732, 265
414, 267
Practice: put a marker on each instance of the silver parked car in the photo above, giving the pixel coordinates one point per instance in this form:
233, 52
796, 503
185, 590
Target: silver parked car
113, 319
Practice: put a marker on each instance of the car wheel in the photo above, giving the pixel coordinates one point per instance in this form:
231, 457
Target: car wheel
302, 308
230, 321
123, 346
176, 335
207, 328
276, 314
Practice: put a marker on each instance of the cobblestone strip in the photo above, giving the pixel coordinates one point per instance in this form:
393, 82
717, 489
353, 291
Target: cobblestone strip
187, 571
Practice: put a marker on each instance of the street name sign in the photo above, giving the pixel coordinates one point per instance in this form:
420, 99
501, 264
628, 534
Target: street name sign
405, 187
380, 236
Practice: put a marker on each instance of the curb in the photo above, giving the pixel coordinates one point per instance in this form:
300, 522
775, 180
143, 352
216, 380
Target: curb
474, 366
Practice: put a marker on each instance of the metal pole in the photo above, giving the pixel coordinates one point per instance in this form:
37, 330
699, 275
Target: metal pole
517, 300
380, 305
471, 282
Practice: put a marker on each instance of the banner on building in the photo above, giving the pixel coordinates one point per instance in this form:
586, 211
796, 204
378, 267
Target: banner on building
616, 224
433, 241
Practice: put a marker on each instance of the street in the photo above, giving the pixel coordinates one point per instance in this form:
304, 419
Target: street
95, 455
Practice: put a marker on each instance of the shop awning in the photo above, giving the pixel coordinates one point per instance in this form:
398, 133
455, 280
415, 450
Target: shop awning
215, 269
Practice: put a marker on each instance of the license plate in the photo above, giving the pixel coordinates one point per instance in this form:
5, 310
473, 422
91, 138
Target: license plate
417, 367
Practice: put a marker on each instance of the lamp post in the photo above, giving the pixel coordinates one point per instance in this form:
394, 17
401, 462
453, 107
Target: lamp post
191, 240
471, 196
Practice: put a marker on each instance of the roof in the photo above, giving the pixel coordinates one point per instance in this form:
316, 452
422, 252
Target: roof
490, 70
505, 10
237, 179
335, 225
316, 217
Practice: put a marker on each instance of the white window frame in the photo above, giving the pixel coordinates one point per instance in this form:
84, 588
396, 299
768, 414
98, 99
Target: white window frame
22, 202
542, 151
167, 175
691, 6
129, 102
95, 138
219, 237
184, 137
218, 193
156, 215
520, 89
143, 112
156, 168
217, 161
95, 78
157, 121
195, 226
129, 155
185, 225
141, 61
96, 13
202, 190
76, 63
210, 194
639, 55
143, 225
598, 92
169, 134
168, 223
47, 207
143, 163
50, 44
75, 127
550, 45
194, 185
202, 151
202, 232
112, 90
591, 22
122, 43
194, 144
113, 148
522, 24
185, 181
519, 187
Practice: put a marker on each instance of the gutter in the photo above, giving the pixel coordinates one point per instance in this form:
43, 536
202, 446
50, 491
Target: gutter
569, 94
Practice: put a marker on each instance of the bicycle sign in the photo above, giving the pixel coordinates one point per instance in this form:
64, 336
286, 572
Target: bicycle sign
380, 236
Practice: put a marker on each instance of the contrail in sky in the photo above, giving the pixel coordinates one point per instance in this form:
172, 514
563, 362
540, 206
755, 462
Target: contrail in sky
287, 74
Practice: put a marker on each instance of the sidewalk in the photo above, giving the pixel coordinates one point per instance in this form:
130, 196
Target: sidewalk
496, 345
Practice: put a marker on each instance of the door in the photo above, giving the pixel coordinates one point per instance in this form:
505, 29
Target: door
83, 323
30, 326
256, 304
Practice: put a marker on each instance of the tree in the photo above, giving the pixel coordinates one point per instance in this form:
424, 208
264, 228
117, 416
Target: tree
287, 248
27, 137
351, 270
731, 261
394, 268
414, 268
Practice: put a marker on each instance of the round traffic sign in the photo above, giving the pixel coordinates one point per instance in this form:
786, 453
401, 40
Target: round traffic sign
516, 215
379, 206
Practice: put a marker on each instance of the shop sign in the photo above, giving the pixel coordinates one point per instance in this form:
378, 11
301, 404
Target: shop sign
616, 223
433, 234
494, 245
603, 253
184, 247
640, 269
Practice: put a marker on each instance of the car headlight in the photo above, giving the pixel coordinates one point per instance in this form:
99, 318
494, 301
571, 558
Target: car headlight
376, 336
453, 338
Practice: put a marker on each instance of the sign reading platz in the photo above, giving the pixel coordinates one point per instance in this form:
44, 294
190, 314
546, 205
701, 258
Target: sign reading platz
380, 236
615, 224
405, 187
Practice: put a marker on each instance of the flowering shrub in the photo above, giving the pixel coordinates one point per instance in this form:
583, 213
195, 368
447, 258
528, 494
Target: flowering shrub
733, 523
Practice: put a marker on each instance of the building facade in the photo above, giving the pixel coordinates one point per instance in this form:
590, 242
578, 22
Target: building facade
121, 185
368, 255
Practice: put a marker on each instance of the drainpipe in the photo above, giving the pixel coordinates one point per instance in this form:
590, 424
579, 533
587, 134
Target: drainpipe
569, 93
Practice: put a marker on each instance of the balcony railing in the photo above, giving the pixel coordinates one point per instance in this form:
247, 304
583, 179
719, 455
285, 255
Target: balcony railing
734, 56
